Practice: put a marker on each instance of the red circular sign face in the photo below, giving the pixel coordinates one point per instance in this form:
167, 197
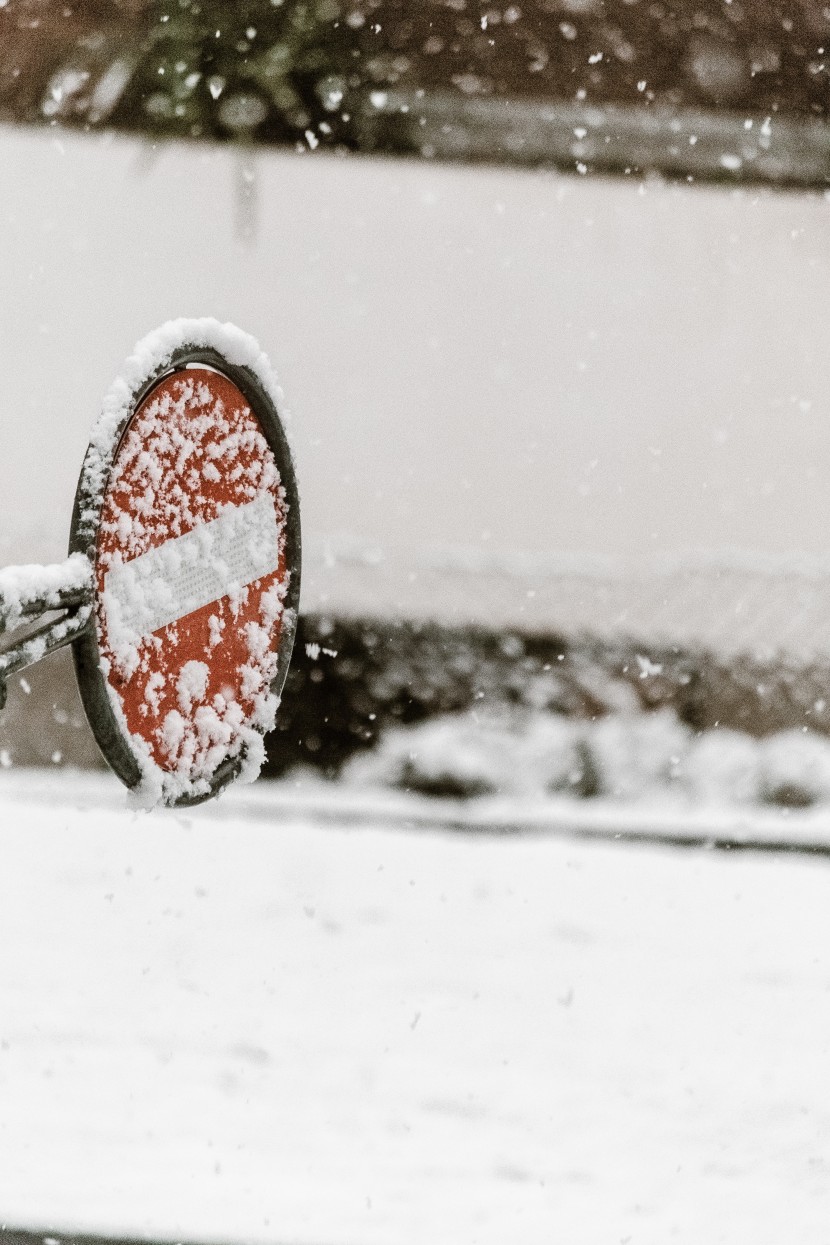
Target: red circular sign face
191, 574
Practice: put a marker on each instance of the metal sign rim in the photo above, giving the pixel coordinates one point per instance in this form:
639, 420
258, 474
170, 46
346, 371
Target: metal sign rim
86, 516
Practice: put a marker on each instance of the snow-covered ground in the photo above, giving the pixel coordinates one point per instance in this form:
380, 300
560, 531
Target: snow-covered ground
241, 1025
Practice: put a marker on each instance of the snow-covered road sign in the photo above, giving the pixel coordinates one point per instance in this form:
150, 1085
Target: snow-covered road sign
187, 521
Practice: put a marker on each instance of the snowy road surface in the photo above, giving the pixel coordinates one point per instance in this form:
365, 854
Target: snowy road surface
239, 1026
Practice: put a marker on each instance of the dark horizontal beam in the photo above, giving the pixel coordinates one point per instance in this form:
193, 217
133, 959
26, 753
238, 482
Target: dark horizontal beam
679, 143
20, 1236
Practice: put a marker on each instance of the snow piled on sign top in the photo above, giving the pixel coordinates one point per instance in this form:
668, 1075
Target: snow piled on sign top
150, 356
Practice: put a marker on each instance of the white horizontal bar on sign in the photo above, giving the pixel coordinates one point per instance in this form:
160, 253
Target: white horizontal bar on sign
215, 560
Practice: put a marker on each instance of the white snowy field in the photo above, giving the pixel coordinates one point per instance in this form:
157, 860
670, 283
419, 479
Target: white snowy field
239, 1025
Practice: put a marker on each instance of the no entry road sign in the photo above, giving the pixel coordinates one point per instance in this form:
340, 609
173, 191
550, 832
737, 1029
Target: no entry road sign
188, 515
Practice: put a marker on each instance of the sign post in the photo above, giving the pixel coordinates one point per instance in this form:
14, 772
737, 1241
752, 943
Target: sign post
185, 551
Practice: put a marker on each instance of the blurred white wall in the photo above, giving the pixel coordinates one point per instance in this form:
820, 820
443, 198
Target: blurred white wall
478, 358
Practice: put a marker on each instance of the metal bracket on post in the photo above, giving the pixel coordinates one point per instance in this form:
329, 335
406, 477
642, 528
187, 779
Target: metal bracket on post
27, 595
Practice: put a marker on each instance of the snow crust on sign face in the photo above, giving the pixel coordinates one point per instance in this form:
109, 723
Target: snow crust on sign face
228, 722
186, 573
189, 434
24, 586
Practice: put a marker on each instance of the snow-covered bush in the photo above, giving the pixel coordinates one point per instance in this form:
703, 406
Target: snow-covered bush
723, 767
636, 754
554, 757
451, 756
508, 753
795, 769
624, 756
